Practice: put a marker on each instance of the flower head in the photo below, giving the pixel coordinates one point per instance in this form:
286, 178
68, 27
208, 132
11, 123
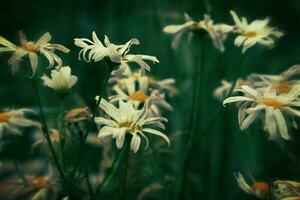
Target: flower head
217, 32
137, 91
61, 80
254, 102
95, 51
32, 49
257, 31
128, 120
164, 85
12, 120
258, 189
282, 83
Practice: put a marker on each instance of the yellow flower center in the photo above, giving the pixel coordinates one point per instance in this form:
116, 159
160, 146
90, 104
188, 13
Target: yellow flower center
272, 102
130, 126
283, 88
4, 117
30, 46
260, 187
250, 34
138, 96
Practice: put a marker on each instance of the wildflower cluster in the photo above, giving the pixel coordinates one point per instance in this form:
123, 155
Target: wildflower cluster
248, 34
138, 104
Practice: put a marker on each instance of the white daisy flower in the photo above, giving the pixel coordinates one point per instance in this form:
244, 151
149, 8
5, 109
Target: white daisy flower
61, 80
254, 102
258, 189
257, 31
12, 120
96, 51
137, 92
282, 83
164, 85
217, 32
128, 120
32, 49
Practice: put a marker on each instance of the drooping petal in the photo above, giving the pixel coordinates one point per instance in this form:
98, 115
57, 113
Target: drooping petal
33, 58
158, 133
135, 143
281, 124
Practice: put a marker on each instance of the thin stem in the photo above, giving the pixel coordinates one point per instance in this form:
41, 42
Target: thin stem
62, 130
111, 171
126, 164
81, 152
20, 173
221, 110
47, 134
160, 168
193, 121
89, 185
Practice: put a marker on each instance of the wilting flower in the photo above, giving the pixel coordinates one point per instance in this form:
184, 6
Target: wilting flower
12, 120
32, 49
257, 31
128, 120
61, 80
77, 115
258, 189
254, 102
282, 83
54, 136
217, 32
138, 92
95, 51
286, 190
222, 91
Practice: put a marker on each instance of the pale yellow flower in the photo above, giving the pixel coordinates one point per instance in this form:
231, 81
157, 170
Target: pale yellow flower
282, 83
95, 51
61, 80
128, 120
12, 120
274, 106
257, 31
32, 49
137, 92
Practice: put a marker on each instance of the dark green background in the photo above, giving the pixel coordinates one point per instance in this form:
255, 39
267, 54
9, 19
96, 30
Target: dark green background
224, 150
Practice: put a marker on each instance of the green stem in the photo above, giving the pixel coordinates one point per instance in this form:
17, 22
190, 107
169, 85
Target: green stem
126, 164
193, 122
89, 185
62, 131
111, 171
82, 149
20, 173
47, 135
221, 110
158, 164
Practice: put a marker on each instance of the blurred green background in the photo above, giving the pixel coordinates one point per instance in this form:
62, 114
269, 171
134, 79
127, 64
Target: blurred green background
224, 150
